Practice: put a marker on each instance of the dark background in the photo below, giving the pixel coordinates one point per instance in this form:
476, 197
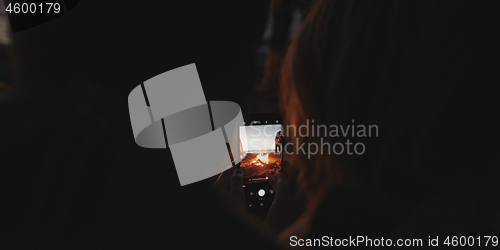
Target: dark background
72, 176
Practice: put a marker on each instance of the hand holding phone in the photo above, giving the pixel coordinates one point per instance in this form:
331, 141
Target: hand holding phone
261, 145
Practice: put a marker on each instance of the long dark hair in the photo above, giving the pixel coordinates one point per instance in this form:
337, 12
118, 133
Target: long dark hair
417, 70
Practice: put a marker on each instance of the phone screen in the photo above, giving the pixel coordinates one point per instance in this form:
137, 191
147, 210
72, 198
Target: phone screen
262, 145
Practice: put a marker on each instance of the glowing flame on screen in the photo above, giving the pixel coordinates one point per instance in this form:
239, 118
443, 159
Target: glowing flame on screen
261, 159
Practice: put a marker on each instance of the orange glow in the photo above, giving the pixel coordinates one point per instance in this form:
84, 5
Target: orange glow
261, 159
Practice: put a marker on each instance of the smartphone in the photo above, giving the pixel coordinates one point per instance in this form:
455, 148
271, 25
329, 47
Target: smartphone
261, 141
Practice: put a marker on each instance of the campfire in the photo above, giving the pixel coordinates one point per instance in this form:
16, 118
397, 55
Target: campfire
257, 166
261, 159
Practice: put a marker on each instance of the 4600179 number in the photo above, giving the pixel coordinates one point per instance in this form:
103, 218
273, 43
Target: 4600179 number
33, 8
471, 241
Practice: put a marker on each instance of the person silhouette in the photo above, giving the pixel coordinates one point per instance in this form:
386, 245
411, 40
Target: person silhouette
277, 142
